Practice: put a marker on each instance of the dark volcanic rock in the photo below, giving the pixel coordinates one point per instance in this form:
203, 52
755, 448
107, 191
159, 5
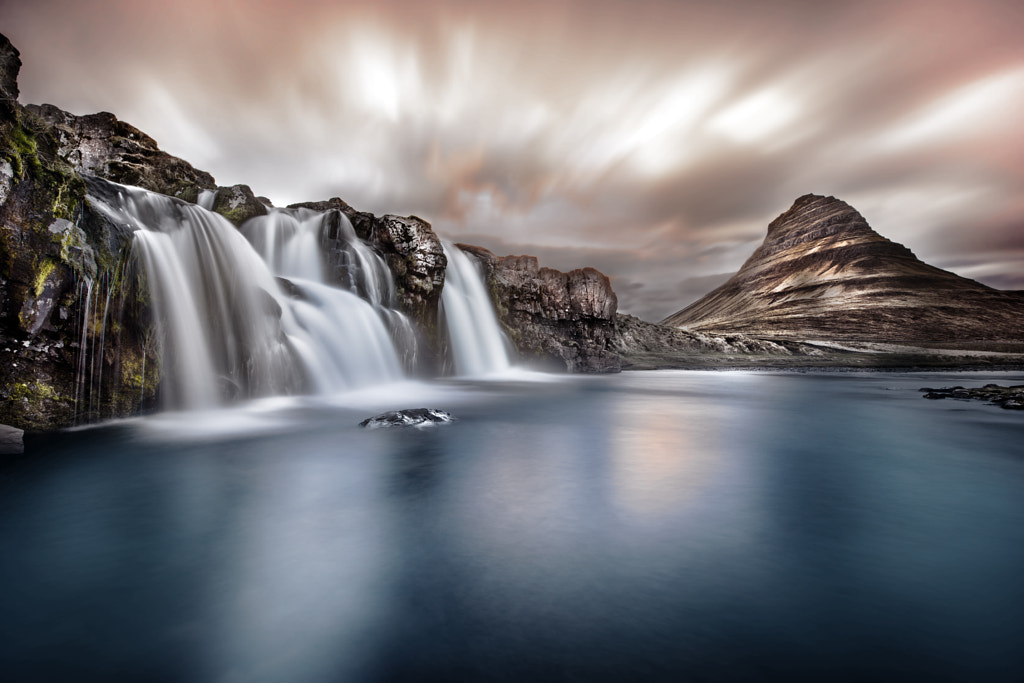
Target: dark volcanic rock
1010, 398
10, 65
59, 260
238, 204
565, 321
412, 417
823, 273
416, 258
101, 145
362, 221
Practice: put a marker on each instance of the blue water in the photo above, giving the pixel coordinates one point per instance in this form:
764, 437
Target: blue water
643, 527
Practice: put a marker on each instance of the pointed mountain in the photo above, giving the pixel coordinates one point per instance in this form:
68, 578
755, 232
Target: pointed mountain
823, 273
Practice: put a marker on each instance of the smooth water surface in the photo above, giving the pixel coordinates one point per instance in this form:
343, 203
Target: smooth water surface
648, 526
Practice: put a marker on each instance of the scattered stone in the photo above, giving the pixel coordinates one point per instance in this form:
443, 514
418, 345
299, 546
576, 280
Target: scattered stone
412, 417
1010, 398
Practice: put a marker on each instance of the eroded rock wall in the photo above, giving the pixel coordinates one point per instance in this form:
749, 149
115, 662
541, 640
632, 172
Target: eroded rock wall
556, 320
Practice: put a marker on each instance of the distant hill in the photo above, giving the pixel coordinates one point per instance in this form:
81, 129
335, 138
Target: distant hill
823, 273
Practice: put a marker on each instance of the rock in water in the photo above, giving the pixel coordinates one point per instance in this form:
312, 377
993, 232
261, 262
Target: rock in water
412, 417
1010, 398
823, 273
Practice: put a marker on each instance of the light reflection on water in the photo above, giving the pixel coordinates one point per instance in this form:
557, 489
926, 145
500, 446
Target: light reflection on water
648, 526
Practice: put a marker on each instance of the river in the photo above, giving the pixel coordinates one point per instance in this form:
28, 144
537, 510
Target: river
666, 525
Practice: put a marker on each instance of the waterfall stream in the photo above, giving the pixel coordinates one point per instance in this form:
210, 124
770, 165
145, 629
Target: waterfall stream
227, 328
293, 302
477, 344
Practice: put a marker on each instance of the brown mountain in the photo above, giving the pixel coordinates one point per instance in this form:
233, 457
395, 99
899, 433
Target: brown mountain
823, 273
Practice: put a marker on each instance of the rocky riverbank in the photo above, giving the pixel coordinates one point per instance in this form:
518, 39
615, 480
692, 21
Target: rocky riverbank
1010, 398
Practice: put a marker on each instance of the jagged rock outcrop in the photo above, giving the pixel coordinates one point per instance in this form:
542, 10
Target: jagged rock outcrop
416, 258
564, 321
823, 273
238, 204
61, 279
362, 221
101, 145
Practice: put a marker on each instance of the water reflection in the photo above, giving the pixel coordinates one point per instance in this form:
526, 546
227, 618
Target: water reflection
653, 526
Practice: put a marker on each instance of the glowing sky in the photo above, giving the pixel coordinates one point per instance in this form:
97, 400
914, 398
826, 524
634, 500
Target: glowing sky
651, 139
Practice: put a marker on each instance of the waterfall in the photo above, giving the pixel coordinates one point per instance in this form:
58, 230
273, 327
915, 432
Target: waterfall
227, 328
476, 341
314, 249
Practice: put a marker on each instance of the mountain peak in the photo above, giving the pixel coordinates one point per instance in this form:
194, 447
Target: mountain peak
822, 272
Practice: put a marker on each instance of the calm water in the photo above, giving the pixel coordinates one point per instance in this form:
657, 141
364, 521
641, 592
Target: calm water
649, 526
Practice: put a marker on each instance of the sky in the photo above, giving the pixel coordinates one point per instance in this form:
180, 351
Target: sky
651, 139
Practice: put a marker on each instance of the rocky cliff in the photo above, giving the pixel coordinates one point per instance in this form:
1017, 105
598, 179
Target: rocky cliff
63, 278
823, 273
563, 321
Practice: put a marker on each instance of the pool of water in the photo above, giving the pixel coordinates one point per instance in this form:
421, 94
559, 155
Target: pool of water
647, 526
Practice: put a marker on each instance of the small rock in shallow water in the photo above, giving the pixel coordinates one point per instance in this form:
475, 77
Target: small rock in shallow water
413, 417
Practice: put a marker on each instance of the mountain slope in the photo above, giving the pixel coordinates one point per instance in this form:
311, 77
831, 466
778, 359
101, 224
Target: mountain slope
822, 272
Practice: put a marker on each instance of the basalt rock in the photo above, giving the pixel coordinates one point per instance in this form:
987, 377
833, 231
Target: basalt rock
562, 321
362, 221
1010, 398
101, 145
10, 65
412, 417
416, 259
823, 273
238, 204
63, 285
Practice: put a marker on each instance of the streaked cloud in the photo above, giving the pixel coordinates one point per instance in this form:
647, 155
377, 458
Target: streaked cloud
653, 139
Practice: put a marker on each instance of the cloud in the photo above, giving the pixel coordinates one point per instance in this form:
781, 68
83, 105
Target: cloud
657, 138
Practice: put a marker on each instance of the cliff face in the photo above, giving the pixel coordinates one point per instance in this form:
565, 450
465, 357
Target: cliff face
62, 277
103, 146
564, 321
823, 273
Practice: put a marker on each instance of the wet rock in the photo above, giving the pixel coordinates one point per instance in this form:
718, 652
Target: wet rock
414, 254
562, 321
1010, 398
412, 417
61, 260
238, 204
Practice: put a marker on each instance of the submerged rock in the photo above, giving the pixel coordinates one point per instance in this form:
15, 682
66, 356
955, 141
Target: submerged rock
411, 417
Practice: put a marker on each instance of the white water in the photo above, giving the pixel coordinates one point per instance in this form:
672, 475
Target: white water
291, 242
227, 329
478, 347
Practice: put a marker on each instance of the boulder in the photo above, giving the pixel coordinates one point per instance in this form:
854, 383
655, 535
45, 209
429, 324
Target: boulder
412, 417
238, 204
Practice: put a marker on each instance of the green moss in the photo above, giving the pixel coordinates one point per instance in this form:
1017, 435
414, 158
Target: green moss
45, 269
33, 392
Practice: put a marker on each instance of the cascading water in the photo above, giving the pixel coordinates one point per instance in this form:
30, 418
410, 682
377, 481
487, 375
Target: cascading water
227, 328
477, 344
294, 243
